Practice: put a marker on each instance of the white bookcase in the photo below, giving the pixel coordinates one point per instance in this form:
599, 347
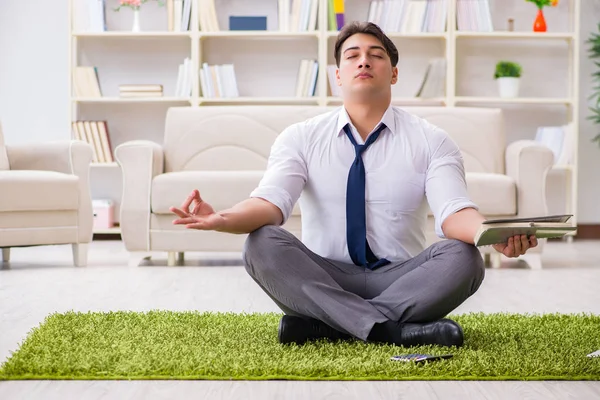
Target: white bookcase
266, 67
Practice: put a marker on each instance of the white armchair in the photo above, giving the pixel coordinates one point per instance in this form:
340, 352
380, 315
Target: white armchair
45, 196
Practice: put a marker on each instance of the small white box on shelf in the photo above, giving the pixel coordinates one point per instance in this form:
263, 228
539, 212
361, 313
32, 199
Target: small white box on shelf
103, 214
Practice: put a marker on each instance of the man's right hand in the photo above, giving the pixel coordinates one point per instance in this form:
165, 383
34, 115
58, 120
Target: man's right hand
195, 213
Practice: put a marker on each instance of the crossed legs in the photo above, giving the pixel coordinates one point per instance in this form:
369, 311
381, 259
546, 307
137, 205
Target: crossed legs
351, 299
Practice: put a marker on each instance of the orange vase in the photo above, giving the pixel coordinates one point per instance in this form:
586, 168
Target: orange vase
539, 24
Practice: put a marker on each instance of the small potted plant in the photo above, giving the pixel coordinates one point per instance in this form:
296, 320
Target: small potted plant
508, 75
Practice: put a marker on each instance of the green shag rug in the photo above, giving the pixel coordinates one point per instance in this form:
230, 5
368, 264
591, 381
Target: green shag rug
228, 346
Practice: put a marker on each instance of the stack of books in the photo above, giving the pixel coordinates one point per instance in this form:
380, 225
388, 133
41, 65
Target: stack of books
306, 83
95, 133
218, 81
138, 90
297, 15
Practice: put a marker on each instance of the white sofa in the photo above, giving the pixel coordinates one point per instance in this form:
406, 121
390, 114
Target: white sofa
45, 196
223, 151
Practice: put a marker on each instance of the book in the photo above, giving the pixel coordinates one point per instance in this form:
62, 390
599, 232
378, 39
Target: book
499, 230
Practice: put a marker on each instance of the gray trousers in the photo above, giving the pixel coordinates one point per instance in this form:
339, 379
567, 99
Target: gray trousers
352, 299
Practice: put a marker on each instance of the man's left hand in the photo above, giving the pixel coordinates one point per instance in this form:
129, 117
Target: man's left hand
516, 246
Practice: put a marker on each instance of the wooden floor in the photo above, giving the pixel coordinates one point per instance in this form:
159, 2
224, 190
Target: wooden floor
41, 280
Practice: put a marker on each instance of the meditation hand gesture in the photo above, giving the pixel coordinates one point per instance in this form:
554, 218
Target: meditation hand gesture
202, 216
516, 246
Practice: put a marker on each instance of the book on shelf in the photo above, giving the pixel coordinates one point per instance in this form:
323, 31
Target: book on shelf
248, 23
140, 90
336, 14
306, 82
183, 87
434, 80
179, 15
186, 14
297, 15
95, 133
218, 81
85, 82
88, 16
474, 15
545, 227
207, 16
409, 16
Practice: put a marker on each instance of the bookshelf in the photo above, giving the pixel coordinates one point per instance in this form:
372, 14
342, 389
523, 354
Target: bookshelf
267, 62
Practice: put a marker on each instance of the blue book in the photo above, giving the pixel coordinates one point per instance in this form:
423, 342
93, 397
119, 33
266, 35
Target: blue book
247, 23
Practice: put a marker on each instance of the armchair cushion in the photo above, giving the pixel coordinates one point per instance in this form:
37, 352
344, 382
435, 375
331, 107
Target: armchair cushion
23, 190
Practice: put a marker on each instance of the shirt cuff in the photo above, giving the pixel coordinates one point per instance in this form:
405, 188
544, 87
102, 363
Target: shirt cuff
449, 208
277, 196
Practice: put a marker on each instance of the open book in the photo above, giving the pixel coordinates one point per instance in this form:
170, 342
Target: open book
499, 230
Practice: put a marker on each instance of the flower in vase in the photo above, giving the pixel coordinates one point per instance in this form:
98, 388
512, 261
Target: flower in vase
134, 4
542, 3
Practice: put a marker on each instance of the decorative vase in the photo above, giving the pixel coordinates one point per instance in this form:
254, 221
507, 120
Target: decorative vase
136, 21
539, 25
508, 87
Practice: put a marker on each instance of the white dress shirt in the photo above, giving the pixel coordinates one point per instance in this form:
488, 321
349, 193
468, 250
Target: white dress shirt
412, 164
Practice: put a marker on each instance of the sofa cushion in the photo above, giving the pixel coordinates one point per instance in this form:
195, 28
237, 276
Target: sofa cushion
30, 190
220, 189
3, 156
495, 194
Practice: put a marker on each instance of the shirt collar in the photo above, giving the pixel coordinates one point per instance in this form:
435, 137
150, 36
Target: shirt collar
388, 119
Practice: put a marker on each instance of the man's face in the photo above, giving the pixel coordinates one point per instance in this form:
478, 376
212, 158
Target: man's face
365, 67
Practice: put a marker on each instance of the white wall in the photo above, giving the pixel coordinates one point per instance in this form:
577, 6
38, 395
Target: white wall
34, 98
33, 70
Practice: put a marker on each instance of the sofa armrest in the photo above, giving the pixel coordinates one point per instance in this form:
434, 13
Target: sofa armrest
528, 163
140, 162
69, 157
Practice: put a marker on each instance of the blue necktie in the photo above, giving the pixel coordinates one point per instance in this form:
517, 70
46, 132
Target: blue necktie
356, 226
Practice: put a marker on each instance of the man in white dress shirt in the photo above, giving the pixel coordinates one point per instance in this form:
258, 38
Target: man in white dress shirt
364, 175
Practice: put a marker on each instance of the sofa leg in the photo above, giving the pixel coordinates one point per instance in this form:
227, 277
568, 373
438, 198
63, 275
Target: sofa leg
492, 260
496, 260
181, 258
171, 258
136, 258
487, 259
5, 254
80, 251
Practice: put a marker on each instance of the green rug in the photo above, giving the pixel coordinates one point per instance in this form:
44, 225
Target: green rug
193, 345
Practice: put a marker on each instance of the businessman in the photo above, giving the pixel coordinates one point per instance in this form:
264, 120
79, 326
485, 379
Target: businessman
364, 175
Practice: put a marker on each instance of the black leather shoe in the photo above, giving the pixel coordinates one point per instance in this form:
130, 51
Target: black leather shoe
443, 332
299, 330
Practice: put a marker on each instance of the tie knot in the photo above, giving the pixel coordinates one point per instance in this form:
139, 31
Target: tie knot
360, 148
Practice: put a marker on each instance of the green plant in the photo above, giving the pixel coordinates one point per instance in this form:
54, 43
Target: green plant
542, 3
594, 53
507, 69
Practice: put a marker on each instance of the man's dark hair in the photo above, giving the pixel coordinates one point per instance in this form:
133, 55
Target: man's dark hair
368, 28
